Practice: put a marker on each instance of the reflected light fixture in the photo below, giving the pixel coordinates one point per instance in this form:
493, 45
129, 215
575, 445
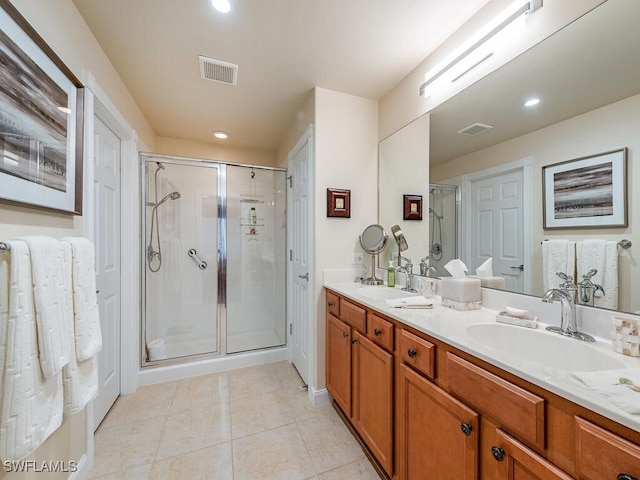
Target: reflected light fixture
532, 102
220, 134
222, 6
66, 110
473, 44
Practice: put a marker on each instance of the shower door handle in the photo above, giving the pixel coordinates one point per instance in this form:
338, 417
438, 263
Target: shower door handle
304, 277
201, 263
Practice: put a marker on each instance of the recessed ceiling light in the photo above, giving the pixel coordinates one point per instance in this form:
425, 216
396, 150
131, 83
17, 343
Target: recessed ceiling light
532, 102
222, 6
220, 134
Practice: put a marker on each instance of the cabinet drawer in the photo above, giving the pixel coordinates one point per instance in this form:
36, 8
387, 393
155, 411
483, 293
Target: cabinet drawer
601, 455
333, 304
518, 410
418, 353
380, 331
353, 315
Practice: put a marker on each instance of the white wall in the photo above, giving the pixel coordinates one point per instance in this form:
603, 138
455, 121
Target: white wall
609, 128
346, 143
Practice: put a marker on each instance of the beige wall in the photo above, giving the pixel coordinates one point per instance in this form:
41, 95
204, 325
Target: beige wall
346, 144
403, 103
64, 30
609, 128
304, 117
211, 151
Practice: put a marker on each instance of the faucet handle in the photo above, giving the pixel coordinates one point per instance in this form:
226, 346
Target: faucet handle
565, 277
589, 274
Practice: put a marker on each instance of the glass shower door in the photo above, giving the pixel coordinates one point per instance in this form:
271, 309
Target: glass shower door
256, 260
181, 260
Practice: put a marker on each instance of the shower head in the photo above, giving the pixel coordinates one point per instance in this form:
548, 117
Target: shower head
160, 166
170, 196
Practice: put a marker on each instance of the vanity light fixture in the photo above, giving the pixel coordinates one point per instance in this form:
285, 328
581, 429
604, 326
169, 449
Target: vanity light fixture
222, 6
220, 134
480, 38
532, 102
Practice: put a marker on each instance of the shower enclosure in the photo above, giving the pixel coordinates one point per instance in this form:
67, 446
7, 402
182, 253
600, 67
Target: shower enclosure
443, 227
214, 259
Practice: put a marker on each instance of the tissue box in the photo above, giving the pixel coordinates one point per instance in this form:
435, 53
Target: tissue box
461, 293
626, 338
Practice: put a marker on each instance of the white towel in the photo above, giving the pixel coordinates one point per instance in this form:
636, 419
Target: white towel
557, 256
31, 407
620, 387
603, 256
80, 384
51, 273
410, 302
88, 338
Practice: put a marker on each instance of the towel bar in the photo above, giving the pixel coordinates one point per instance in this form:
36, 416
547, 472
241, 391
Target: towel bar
624, 243
4, 247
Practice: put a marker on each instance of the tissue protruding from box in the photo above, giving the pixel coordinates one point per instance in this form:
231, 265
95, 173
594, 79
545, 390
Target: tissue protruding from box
461, 293
491, 282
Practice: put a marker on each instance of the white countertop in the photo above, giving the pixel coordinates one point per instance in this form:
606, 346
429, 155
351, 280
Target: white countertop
450, 326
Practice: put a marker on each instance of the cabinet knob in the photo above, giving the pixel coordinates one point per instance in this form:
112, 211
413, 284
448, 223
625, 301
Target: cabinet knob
498, 453
353, 341
625, 476
377, 332
466, 428
412, 353
331, 304
345, 334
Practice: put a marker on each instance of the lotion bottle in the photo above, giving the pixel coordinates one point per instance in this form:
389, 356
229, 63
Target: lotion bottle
391, 275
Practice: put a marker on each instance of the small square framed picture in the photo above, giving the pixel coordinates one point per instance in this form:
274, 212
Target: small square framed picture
412, 207
338, 203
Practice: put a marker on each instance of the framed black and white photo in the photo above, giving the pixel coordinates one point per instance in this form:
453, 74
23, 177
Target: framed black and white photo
588, 192
41, 121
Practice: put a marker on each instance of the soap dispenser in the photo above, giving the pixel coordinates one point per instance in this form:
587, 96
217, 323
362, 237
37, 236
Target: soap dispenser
391, 275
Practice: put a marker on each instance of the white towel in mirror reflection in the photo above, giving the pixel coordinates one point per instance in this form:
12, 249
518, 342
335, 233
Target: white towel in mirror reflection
601, 255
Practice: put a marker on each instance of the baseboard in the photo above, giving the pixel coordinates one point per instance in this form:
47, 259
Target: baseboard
151, 375
82, 471
319, 397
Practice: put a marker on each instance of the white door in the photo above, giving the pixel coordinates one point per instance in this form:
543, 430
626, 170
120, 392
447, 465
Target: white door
299, 221
107, 240
498, 222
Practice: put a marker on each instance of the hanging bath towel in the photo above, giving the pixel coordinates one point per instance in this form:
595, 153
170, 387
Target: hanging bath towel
601, 255
557, 256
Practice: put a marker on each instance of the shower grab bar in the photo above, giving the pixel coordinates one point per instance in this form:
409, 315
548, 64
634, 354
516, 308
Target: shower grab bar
201, 263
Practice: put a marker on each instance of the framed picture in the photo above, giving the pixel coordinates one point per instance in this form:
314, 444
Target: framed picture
412, 207
338, 203
41, 121
588, 192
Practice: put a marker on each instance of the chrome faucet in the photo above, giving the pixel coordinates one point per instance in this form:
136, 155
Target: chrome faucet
425, 266
408, 271
568, 326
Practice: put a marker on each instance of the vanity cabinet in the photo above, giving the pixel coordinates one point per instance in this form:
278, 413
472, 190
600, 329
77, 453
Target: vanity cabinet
437, 434
360, 375
450, 415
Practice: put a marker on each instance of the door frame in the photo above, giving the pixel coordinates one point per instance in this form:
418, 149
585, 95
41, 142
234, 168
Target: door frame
525, 165
306, 137
98, 104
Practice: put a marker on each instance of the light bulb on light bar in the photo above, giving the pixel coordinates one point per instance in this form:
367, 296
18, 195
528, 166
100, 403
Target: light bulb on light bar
506, 17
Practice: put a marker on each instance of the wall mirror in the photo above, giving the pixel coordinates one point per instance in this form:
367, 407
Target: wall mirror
586, 78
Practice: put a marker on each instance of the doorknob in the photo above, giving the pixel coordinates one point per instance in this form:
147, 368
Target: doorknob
305, 276
521, 268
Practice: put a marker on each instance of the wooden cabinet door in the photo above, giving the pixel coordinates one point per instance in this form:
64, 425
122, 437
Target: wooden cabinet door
514, 461
339, 362
373, 398
437, 434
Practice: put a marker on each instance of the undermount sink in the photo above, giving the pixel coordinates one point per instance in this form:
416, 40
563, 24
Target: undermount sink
545, 348
383, 293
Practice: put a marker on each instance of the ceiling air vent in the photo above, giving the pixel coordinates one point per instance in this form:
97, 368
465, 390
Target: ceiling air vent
218, 71
475, 129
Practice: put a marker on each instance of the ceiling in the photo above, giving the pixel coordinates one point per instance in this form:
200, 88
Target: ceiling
283, 48
590, 63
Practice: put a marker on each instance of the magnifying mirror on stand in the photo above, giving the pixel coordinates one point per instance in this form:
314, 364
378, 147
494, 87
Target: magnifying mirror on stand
400, 240
373, 240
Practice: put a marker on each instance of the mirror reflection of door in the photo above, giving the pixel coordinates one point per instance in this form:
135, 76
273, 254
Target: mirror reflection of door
497, 217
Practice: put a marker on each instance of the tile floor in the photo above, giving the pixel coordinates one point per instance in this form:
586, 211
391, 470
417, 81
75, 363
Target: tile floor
252, 423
